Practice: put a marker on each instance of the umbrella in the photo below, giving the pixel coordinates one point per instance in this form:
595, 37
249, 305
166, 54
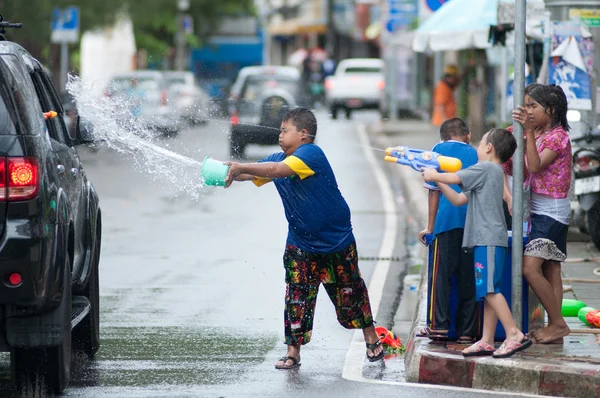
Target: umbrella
457, 25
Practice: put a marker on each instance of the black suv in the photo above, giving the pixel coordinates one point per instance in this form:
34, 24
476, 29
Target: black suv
50, 228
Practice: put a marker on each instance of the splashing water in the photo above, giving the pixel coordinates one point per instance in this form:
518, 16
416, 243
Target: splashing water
117, 128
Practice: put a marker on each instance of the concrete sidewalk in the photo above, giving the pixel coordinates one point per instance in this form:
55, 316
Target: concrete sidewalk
572, 369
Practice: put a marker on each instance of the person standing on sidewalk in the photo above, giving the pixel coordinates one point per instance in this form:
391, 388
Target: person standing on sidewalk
485, 233
447, 223
444, 104
320, 246
549, 162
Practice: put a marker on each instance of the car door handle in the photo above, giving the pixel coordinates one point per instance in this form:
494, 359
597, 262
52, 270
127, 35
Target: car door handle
60, 168
75, 171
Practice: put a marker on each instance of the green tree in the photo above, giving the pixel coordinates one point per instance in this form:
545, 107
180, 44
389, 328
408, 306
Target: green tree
154, 21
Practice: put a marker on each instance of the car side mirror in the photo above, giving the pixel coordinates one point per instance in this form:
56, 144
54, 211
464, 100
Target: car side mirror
84, 132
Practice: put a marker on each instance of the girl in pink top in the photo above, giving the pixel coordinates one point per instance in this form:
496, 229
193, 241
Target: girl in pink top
548, 163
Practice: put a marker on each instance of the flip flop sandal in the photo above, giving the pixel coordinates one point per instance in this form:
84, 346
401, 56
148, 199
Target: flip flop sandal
481, 348
295, 363
373, 347
433, 334
508, 348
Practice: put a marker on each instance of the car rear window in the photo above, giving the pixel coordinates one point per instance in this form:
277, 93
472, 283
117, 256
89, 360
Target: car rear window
255, 85
20, 111
363, 69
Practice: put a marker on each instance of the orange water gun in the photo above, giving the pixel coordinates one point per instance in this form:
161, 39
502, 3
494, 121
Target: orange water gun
419, 159
50, 115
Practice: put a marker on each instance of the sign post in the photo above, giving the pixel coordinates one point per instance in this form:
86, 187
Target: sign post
65, 29
400, 13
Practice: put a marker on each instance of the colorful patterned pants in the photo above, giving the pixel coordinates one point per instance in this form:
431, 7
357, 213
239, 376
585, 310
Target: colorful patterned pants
341, 278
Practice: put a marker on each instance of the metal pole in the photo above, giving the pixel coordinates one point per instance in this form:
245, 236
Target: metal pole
504, 85
64, 57
393, 83
518, 164
179, 44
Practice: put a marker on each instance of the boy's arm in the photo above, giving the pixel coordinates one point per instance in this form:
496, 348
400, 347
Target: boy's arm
457, 199
433, 201
507, 195
265, 170
444, 180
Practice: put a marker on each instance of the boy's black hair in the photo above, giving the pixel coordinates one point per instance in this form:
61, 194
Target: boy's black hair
504, 143
554, 100
302, 118
453, 128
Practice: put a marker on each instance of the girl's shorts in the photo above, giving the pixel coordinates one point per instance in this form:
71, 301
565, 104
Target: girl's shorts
547, 239
489, 265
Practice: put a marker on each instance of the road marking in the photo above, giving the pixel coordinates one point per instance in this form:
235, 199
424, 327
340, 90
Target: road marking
356, 353
355, 356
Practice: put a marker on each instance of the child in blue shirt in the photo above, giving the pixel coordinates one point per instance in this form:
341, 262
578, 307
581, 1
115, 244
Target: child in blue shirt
320, 246
447, 223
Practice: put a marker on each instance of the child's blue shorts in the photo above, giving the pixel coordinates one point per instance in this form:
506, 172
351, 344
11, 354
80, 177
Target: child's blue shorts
489, 264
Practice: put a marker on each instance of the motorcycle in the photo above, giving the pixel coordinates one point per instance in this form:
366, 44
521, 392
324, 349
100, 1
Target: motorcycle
586, 172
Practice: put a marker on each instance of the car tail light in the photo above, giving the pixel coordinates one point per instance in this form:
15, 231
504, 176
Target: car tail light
586, 163
15, 279
328, 84
235, 119
380, 85
163, 97
22, 178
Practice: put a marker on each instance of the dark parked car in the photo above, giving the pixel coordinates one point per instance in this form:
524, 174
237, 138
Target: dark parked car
265, 96
50, 223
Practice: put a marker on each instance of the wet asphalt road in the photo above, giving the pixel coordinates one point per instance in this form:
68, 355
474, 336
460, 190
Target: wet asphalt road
192, 289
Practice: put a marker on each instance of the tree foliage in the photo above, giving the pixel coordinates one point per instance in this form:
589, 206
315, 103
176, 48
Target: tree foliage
154, 21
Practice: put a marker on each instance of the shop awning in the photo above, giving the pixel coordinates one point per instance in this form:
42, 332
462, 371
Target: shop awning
457, 25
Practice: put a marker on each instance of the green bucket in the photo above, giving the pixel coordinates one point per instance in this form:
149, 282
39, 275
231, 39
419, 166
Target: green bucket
213, 172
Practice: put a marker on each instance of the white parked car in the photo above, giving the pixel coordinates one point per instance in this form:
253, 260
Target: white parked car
356, 84
144, 99
189, 99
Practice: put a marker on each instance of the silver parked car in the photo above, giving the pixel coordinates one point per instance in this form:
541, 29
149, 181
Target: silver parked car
256, 110
189, 99
145, 98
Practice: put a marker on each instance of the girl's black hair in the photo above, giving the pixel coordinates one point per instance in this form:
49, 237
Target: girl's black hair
554, 101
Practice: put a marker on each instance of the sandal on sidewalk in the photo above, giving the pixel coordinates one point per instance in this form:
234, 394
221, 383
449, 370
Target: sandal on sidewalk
438, 335
481, 348
373, 347
295, 363
508, 348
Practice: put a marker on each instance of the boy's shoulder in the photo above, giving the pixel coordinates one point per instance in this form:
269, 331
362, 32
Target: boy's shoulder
461, 150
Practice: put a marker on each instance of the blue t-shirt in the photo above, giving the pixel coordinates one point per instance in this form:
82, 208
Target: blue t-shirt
448, 216
317, 214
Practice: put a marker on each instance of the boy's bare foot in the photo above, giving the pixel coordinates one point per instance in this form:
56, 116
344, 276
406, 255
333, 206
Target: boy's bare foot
551, 333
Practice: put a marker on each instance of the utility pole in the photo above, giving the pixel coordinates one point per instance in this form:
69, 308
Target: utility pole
180, 53
518, 164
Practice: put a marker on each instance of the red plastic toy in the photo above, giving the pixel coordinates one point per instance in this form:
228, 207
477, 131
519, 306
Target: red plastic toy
388, 338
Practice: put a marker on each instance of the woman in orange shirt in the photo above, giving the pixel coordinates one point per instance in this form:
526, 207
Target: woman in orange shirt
444, 104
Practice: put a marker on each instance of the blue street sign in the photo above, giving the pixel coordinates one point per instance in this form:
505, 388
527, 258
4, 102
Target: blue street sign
401, 13
65, 25
434, 5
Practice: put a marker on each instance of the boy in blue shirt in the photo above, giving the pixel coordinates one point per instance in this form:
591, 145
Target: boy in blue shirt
320, 246
447, 223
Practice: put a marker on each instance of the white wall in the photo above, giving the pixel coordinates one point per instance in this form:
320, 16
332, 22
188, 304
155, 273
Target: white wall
105, 53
